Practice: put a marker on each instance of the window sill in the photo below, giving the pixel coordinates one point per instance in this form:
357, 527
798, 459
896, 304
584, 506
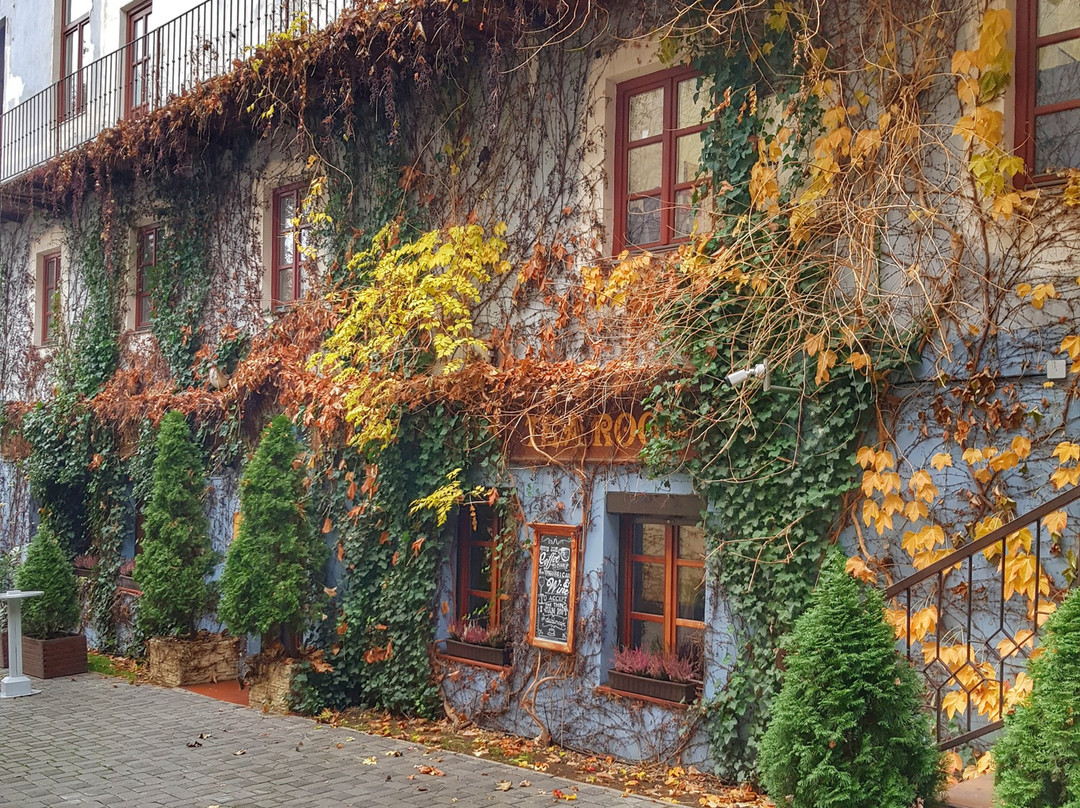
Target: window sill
448, 659
611, 692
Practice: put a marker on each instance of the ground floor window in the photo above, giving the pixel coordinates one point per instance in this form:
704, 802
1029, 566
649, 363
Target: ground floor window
479, 586
662, 601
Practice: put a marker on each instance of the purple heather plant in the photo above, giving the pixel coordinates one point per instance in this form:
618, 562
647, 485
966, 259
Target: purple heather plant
655, 665
474, 633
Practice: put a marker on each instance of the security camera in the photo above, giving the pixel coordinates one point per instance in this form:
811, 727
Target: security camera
735, 378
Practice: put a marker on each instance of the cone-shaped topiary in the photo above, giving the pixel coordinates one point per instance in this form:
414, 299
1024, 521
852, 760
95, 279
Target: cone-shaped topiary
1038, 756
847, 728
47, 568
273, 567
176, 556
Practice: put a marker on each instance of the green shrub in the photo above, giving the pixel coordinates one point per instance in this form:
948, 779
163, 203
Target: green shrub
48, 569
176, 556
273, 567
1038, 757
847, 728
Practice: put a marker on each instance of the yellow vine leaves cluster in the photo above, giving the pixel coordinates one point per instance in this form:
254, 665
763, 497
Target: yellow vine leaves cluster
983, 73
413, 315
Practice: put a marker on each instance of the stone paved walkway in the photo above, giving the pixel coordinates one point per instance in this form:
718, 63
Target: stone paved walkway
98, 741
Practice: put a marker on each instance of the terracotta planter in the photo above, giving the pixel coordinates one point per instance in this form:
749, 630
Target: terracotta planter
478, 653
677, 692
47, 659
174, 662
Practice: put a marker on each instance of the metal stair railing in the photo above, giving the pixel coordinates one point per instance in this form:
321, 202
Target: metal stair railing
977, 612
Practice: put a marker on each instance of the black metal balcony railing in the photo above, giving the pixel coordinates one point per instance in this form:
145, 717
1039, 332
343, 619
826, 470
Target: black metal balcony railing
988, 600
166, 62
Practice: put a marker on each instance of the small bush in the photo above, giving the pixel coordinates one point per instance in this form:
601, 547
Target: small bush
274, 565
48, 569
177, 556
1038, 756
847, 728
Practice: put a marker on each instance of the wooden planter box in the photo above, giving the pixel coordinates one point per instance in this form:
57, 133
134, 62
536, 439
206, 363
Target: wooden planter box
478, 653
174, 662
677, 692
48, 659
127, 583
270, 684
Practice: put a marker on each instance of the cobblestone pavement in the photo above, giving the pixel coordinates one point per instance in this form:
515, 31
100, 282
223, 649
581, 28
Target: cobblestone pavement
98, 741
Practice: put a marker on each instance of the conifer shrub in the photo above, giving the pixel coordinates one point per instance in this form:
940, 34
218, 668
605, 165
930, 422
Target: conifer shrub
847, 728
47, 568
1038, 756
177, 557
273, 567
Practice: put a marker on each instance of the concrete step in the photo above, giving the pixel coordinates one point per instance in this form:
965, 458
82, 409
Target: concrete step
975, 793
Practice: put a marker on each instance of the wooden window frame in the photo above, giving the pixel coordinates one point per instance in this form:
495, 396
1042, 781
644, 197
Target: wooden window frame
132, 66
277, 262
142, 292
1028, 43
466, 540
672, 563
50, 291
77, 29
669, 80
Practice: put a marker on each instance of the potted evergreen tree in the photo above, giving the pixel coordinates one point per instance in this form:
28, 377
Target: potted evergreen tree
273, 566
175, 565
848, 728
50, 645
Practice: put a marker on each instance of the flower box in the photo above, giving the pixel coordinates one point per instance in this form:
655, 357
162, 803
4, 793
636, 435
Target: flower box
127, 583
48, 659
479, 653
676, 692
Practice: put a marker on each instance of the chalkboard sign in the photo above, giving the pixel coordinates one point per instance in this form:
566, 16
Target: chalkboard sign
554, 586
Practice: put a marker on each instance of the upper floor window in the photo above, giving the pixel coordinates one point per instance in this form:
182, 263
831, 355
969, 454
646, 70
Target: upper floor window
658, 125
50, 295
663, 591
1048, 85
73, 33
138, 62
291, 236
145, 261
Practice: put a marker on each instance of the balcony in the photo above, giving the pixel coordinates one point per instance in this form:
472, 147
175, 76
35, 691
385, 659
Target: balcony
145, 74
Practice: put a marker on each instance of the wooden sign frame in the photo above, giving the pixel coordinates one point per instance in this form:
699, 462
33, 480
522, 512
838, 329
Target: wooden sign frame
575, 547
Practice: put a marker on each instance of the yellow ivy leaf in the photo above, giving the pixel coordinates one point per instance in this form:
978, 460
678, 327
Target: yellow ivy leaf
1022, 447
857, 568
954, 702
884, 460
1055, 522
941, 460
865, 456
1071, 344
1066, 451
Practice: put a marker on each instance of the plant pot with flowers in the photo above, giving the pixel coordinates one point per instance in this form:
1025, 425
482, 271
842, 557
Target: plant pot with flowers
657, 675
126, 580
471, 640
50, 646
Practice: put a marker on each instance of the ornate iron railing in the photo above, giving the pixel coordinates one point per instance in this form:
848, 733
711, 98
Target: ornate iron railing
144, 74
969, 626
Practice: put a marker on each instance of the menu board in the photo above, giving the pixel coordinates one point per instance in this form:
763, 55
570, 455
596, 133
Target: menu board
554, 586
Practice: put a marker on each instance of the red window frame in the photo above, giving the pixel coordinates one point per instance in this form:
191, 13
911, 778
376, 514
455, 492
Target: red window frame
137, 59
672, 563
285, 269
487, 543
668, 138
50, 291
1028, 43
145, 259
75, 31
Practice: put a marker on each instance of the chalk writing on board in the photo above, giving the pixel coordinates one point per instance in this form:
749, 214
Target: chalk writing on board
553, 586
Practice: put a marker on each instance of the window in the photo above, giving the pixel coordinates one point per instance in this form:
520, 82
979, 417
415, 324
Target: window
291, 235
50, 295
1048, 85
145, 261
658, 125
478, 593
663, 592
73, 33
137, 97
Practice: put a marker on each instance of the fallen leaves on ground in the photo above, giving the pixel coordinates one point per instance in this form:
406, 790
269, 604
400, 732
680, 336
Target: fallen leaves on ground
683, 785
